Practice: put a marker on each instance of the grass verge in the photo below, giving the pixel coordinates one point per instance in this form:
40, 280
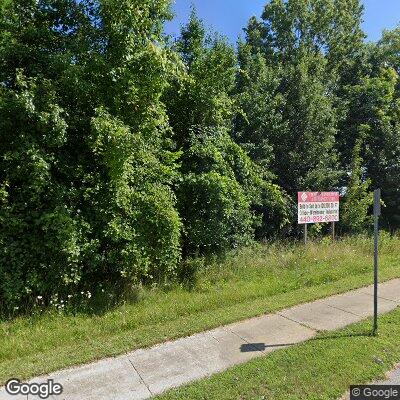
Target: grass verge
247, 283
322, 368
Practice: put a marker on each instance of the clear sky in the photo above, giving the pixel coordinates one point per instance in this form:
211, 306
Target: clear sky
230, 16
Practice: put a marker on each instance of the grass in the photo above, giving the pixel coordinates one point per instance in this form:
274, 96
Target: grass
322, 368
250, 282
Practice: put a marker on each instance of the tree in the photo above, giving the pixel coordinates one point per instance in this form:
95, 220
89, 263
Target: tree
374, 107
86, 165
201, 95
358, 200
329, 27
382, 86
223, 196
389, 49
260, 102
295, 49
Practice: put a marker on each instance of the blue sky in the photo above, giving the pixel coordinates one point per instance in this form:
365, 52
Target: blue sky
230, 16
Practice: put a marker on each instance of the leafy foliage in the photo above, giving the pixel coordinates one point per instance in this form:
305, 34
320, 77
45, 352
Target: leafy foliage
373, 107
355, 211
224, 197
285, 70
86, 165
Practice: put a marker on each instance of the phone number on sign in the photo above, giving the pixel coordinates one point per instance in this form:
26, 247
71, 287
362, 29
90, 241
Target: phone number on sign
318, 218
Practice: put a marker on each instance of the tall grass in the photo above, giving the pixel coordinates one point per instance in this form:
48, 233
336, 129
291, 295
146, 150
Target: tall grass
247, 282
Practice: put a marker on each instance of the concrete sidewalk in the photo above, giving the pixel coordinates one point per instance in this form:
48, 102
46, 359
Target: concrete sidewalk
392, 379
146, 372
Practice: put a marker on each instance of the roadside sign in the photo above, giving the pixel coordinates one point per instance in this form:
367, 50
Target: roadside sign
315, 207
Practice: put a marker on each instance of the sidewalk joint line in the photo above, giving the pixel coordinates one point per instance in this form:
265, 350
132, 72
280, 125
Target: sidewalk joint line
348, 312
211, 335
383, 298
140, 376
298, 322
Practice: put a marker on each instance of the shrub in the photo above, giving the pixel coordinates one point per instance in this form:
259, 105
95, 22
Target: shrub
86, 167
217, 212
358, 200
224, 197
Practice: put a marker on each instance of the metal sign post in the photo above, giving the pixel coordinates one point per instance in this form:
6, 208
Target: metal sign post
305, 234
377, 213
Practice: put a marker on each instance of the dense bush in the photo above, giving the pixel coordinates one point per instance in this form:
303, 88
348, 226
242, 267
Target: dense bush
224, 197
216, 212
141, 232
356, 208
85, 162
42, 237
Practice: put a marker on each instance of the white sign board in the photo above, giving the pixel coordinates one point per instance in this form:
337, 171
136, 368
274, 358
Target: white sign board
315, 207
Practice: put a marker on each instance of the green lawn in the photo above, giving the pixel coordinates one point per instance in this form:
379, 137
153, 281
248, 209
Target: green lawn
322, 368
250, 282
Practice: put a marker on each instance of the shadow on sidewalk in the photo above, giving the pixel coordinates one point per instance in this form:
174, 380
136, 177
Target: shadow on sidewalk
254, 347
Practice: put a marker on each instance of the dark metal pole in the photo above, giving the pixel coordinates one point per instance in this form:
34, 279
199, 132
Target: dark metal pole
377, 212
305, 233
333, 230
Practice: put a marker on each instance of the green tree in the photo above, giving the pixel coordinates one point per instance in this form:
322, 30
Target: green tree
201, 95
259, 100
383, 154
223, 196
374, 107
389, 49
355, 215
296, 49
85, 157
